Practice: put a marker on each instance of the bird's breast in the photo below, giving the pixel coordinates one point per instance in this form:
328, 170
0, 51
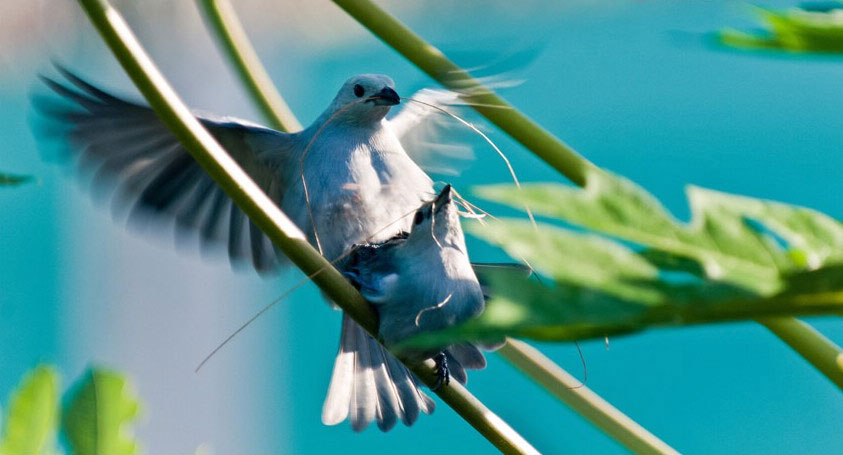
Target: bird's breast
359, 193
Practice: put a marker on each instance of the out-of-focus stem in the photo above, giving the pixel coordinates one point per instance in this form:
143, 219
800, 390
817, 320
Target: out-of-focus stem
810, 344
242, 55
271, 220
582, 400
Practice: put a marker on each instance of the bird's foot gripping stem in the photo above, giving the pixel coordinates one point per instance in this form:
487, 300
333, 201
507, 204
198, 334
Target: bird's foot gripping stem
443, 376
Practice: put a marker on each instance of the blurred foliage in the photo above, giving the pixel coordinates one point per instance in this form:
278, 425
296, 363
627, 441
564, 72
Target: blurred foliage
93, 420
810, 28
12, 180
738, 258
30, 421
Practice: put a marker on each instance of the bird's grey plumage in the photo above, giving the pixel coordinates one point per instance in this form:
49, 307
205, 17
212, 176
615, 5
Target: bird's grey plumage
362, 186
423, 281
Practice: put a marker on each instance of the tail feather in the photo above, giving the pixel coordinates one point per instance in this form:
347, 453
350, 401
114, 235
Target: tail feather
368, 383
469, 356
364, 399
388, 398
336, 406
461, 357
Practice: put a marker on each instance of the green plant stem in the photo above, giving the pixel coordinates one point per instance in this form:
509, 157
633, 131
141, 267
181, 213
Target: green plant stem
246, 68
497, 110
243, 57
553, 151
810, 344
581, 399
264, 213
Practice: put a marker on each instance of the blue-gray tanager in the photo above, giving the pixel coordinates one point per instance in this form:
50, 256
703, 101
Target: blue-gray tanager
420, 281
362, 187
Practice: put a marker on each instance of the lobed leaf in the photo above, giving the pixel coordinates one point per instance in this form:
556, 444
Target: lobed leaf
580, 259
95, 419
719, 237
739, 258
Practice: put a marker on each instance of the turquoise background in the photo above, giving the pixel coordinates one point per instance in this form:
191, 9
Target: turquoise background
634, 86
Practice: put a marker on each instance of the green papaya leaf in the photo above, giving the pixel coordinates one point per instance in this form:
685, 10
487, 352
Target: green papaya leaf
30, 421
739, 258
718, 237
818, 236
521, 307
95, 419
672, 263
575, 258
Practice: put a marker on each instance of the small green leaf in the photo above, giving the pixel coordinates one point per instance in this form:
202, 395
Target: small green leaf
795, 30
95, 419
30, 420
13, 180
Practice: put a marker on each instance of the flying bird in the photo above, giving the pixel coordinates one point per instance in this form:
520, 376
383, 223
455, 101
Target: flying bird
362, 187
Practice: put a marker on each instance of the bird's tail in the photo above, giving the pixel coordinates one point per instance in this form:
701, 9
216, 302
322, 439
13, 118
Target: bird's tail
369, 383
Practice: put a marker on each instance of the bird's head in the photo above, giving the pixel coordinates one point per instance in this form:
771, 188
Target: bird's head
364, 99
437, 221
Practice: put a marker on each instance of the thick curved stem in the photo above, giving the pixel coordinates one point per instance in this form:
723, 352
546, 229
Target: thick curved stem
233, 40
497, 110
823, 354
582, 400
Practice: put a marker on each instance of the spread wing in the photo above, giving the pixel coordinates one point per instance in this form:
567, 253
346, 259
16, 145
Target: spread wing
437, 142
125, 149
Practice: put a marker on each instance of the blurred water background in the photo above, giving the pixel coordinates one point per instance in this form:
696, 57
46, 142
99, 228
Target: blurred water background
631, 85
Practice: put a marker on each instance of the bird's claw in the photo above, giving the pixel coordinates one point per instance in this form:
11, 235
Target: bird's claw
443, 376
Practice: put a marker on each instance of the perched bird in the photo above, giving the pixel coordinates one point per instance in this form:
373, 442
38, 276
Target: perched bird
419, 281
362, 187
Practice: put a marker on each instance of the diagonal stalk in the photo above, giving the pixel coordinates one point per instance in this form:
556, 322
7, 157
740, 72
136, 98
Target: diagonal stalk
809, 343
529, 360
482, 99
234, 41
271, 220
581, 399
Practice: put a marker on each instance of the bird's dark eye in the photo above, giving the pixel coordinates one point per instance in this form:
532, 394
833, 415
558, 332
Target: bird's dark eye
359, 90
419, 218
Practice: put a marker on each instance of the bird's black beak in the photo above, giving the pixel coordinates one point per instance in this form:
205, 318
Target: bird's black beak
444, 197
386, 97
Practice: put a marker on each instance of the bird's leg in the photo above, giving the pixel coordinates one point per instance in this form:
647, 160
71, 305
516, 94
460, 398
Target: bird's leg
443, 376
